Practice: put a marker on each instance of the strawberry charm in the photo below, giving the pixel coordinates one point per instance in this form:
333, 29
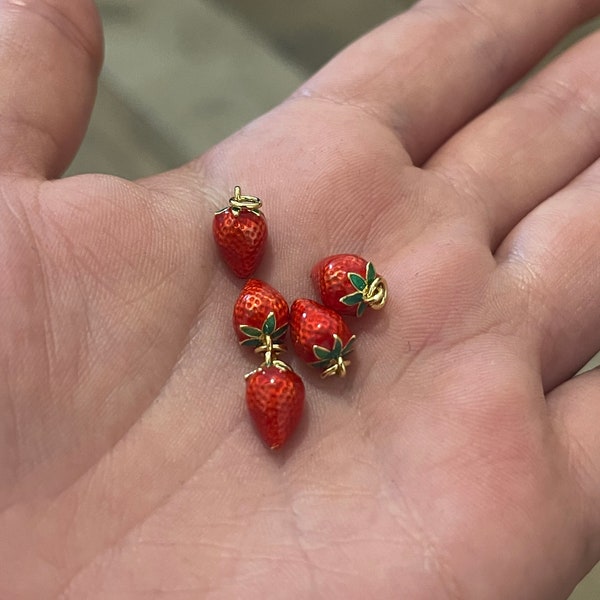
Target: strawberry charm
275, 400
348, 284
260, 316
320, 337
240, 232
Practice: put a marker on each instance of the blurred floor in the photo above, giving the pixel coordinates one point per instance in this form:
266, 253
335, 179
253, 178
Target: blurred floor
174, 70
178, 78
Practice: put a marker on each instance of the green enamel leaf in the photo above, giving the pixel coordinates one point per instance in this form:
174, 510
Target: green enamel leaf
337, 346
251, 332
357, 281
322, 353
371, 273
349, 346
361, 309
269, 325
321, 363
352, 299
251, 342
280, 332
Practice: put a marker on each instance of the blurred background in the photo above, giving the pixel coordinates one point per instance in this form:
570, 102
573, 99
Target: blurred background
180, 76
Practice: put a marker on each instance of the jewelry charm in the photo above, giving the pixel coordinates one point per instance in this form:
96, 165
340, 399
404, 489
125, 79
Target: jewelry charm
275, 400
274, 393
320, 337
260, 315
240, 232
348, 284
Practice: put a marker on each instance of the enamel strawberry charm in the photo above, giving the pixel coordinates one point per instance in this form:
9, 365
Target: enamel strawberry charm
240, 232
260, 312
349, 284
274, 393
320, 337
275, 400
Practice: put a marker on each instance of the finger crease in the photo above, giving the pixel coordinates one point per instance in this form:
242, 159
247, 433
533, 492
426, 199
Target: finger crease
306, 93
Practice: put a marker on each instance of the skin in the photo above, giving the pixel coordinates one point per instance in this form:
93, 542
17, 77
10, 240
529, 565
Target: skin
458, 460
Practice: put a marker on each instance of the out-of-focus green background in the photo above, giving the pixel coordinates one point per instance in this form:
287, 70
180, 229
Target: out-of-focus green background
180, 76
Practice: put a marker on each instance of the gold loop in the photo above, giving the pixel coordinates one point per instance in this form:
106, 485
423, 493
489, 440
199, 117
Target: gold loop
337, 368
376, 294
270, 350
239, 202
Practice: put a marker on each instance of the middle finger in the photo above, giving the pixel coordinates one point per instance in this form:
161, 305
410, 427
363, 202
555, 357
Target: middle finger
530, 145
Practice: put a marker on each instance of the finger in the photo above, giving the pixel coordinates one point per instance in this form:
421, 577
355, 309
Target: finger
429, 71
575, 411
552, 261
50, 55
530, 145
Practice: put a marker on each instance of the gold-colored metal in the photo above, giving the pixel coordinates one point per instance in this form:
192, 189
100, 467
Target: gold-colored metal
248, 375
375, 295
239, 202
333, 360
339, 368
276, 363
270, 350
282, 366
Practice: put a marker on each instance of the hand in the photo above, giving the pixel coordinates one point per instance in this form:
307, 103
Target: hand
457, 460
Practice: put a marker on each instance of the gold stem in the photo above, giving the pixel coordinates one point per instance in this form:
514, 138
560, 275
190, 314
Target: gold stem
239, 202
339, 368
270, 350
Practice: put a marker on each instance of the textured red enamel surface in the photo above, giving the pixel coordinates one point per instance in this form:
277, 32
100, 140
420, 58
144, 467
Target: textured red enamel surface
313, 324
256, 300
330, 277
275, 399
241, 239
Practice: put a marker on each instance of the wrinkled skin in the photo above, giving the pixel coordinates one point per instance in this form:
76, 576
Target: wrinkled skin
458, 460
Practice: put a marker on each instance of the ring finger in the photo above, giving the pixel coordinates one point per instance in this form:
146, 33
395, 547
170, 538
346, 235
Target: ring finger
552, 259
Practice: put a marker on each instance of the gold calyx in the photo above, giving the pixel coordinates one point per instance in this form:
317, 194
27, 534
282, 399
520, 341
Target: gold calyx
375, 294
282, 366
269, 349
257, 370
239, 202
276, 363
339, 368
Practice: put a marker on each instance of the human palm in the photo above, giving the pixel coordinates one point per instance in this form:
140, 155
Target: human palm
453, 462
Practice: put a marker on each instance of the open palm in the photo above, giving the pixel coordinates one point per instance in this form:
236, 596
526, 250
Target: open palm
453, 462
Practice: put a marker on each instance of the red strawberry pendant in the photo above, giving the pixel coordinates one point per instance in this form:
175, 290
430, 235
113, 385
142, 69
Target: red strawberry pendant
240, 232
260, 318
320, 337
260, 312
275, 399
348, 284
